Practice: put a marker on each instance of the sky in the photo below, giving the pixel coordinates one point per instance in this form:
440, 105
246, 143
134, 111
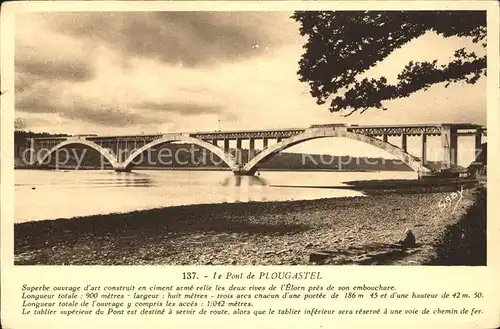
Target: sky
147, 72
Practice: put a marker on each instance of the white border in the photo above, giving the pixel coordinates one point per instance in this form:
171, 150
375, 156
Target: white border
417, 278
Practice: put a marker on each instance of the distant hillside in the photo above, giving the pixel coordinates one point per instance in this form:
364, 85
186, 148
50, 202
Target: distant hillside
20, 136
21, 143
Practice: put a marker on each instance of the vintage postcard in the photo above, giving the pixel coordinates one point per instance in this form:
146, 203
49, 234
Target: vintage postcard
203, 164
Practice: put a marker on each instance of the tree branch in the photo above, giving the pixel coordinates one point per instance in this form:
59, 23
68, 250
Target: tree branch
342, 45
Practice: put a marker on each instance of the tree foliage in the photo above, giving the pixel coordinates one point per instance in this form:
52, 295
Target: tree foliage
20, 123
342, 45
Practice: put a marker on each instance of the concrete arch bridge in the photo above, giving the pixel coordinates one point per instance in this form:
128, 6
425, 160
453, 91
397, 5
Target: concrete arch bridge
122, 151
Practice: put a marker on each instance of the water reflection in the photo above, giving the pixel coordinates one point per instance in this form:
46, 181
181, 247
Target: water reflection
44, 194
132, 179
249, 180
245, 188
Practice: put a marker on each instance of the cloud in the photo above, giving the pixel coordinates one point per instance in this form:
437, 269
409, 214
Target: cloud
39, 98
23, 81
42, 55
192, 39
184, 109
105, 115
45, 99
38, 119
146, 72
52, 69
141, 68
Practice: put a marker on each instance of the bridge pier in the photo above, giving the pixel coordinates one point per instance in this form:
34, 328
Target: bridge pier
478, 142
238, 155
119, 151
449, 143
424, 149
404, 142
32, 151
116, 150
130, 149
251, 149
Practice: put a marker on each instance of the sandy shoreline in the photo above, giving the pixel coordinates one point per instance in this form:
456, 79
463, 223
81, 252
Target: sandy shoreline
357, 230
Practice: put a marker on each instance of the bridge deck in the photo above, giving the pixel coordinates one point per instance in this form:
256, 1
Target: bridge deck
370, 130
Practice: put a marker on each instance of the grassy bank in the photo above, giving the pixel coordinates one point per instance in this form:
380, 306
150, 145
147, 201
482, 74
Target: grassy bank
359, 230
464, 242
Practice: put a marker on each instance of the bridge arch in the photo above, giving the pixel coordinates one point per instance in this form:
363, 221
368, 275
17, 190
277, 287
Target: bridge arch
314, 133
227, 158
104, 152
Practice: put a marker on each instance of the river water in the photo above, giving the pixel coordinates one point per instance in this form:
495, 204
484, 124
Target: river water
45, 194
